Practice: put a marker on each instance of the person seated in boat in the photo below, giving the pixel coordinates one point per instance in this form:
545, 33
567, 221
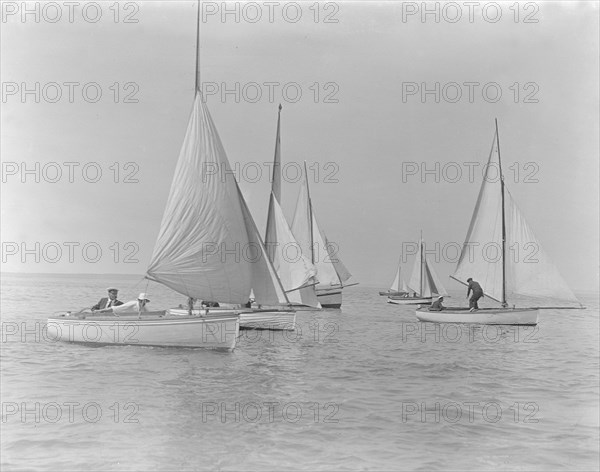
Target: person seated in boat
437, 304
109, 301
133, 306
207, 304
477, 294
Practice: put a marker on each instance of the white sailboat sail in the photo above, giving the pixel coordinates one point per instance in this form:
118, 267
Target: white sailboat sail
481, 255
395, 287
293, 267
431, 282
404, 286
399, 284
326, 272
332, 251
331, 272
528, 270
264, 280
208, 246
414, 283
424, 281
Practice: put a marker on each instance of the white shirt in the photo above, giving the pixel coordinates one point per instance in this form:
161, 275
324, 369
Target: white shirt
129, 307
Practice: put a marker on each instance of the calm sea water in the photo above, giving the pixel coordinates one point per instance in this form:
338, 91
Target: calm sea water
362, 388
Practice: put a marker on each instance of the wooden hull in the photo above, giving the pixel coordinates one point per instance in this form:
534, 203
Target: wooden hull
284, 320
494, 316
330, 297
159, 328
409, 300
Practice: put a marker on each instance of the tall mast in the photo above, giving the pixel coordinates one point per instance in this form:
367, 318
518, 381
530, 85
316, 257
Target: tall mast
310, 217
276, 177
503, 220
197, 45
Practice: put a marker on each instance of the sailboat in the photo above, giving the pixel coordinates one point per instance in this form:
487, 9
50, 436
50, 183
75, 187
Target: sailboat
424, 282
296, 272
331, 272
497, 223
398, 287
204, 219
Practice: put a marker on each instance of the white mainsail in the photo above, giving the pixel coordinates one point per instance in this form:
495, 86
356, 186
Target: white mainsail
331, 272
424, 281
528, 270
326, 272
293, 267
398, 280
395, 287
404, 286
208, 246
481, 255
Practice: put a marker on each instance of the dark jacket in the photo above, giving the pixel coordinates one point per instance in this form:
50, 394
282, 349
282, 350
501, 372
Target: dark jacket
101, 305
436, 306
477, 290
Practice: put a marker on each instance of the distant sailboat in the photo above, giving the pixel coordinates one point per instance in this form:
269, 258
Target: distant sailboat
296, 271
424, 282
498, 224
331, 272
398, 287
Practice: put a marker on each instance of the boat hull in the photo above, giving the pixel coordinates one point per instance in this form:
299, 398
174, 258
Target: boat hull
492, 316
330, 298
283, 320
409, 300
392, 293
213, 331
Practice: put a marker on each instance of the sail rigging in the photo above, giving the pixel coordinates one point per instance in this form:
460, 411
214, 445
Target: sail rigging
500, 250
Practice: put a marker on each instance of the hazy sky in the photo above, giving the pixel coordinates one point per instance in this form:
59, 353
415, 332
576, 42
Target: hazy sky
360, 119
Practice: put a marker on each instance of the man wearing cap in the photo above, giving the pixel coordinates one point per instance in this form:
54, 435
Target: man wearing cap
477, 294
437, 304
134, 306
109, 301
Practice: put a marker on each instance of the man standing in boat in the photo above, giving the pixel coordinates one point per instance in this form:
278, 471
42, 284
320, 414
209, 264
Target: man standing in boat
109, 301
477, 294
